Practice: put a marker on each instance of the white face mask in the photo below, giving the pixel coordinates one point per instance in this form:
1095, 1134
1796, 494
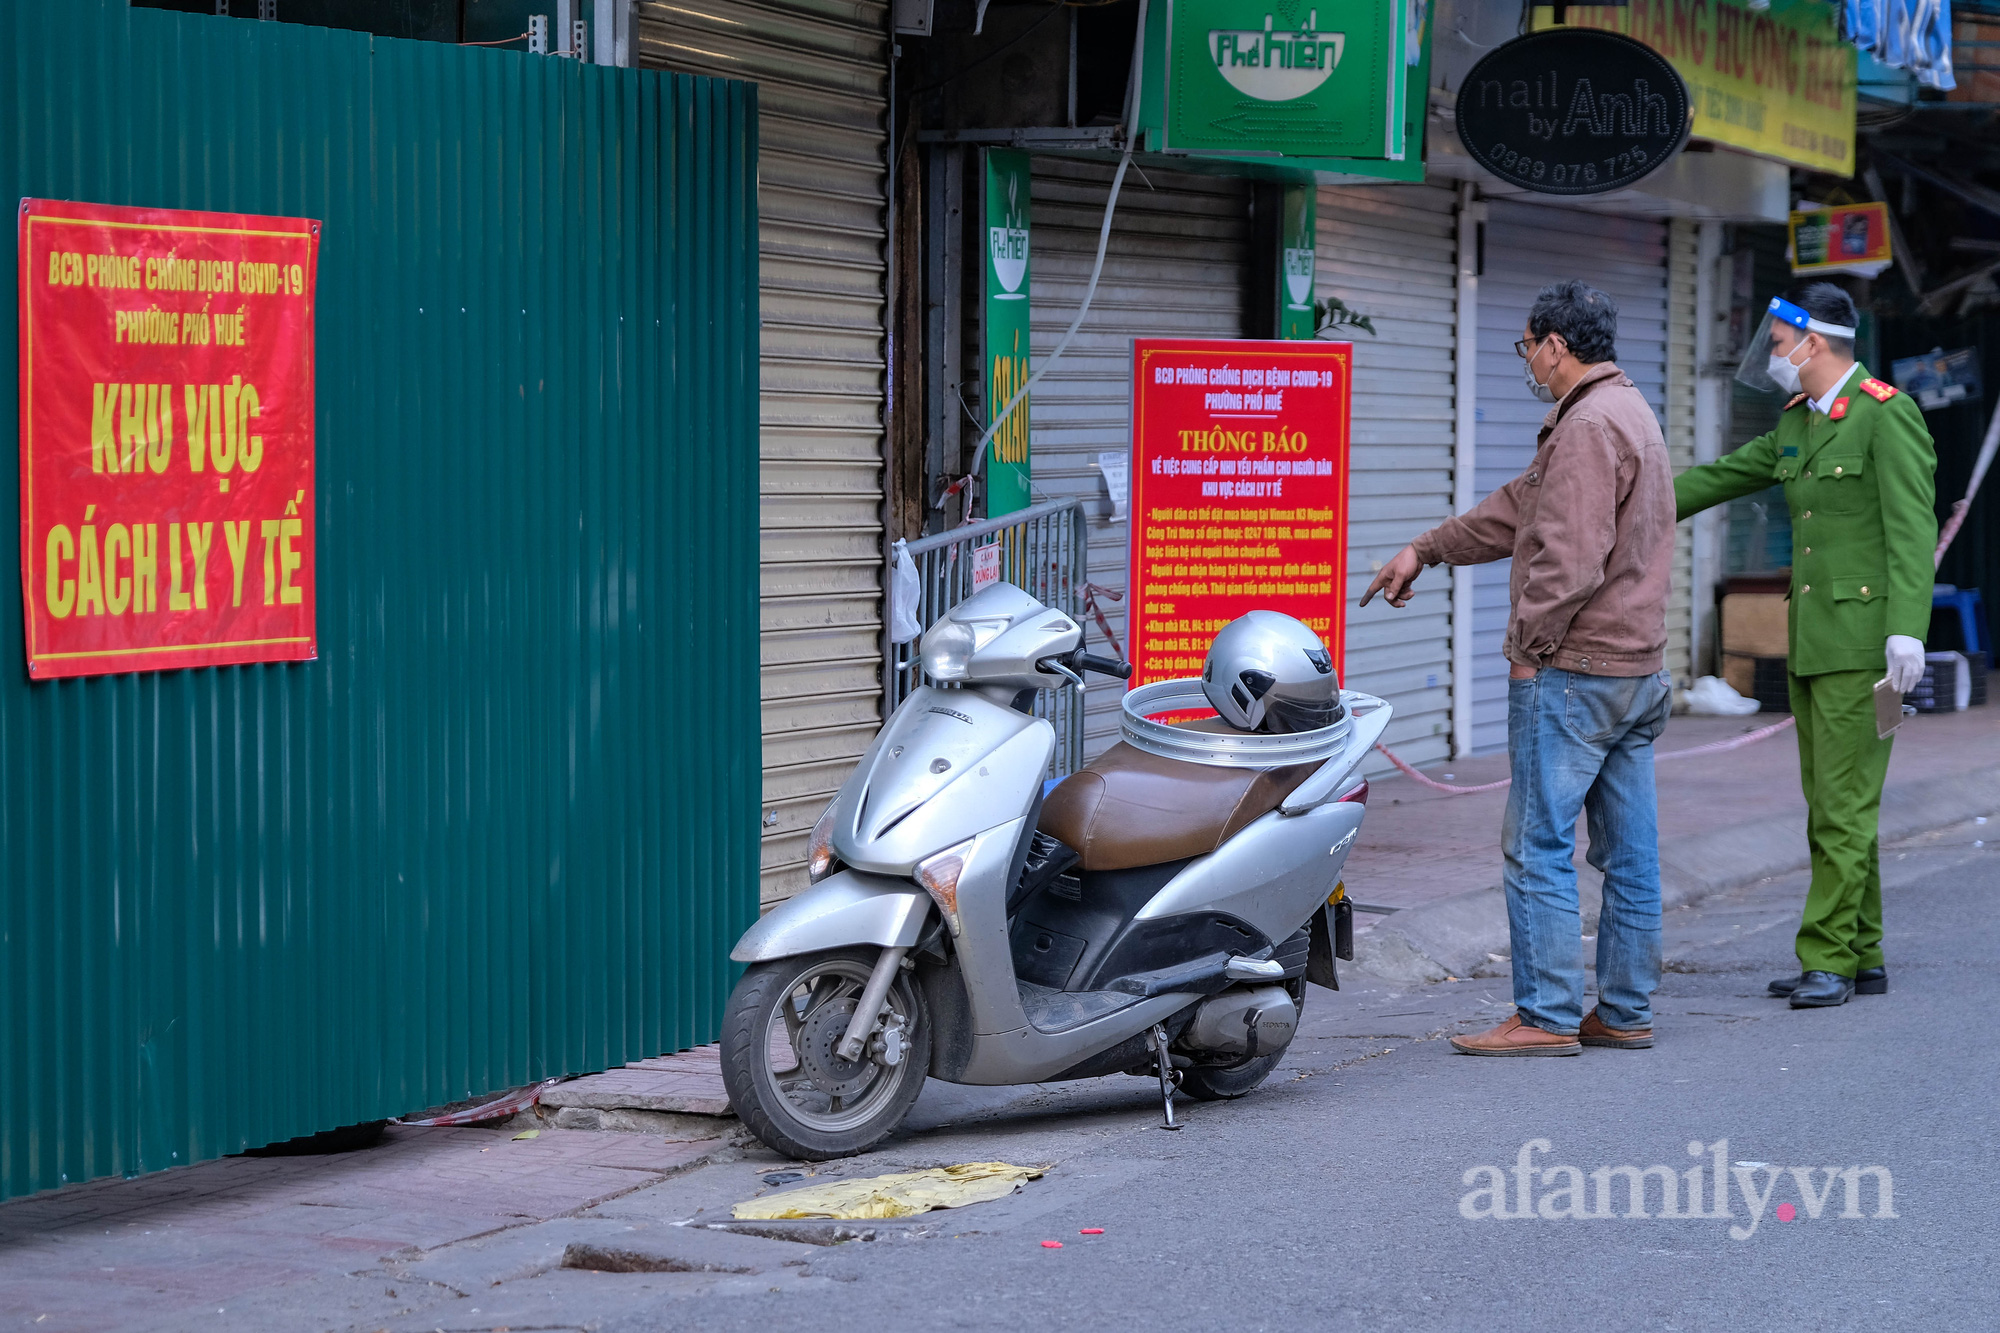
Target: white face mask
1785, 374
1543, 393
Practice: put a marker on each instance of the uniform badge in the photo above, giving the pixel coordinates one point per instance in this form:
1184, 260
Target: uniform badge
1788, 451
1877, 390
1796, 400
1839, 410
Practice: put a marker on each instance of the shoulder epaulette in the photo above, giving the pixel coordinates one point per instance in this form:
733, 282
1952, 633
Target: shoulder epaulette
1796, 400
1877, 390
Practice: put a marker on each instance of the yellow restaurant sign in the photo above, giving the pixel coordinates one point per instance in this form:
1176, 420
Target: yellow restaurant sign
1778, 82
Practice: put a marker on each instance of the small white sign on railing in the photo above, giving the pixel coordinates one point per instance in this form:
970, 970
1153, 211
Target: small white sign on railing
1117, 475
985, 566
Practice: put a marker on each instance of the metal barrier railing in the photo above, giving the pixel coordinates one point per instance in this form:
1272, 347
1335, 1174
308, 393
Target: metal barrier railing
1039, 550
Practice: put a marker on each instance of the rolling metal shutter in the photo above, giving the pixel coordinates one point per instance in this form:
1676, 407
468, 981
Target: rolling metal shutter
1390, 252
820, 67
1175, 267
1527, 247
1678, 424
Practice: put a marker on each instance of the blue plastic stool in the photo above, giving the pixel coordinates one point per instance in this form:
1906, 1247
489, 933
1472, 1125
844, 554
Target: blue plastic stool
1972, 628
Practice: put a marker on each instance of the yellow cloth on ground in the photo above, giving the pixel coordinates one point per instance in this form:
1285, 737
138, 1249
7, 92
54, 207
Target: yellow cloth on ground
894, 1196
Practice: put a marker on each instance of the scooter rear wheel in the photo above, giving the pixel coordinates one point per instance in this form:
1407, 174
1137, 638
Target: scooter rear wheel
779, 1060
1219, 1083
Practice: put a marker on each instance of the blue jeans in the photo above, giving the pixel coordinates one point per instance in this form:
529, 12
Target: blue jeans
1583, 744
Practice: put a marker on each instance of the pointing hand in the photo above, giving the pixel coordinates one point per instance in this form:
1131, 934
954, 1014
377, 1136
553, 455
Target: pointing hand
1394, 579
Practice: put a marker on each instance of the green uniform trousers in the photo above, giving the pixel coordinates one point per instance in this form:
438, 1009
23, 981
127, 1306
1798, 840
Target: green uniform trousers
1841, 766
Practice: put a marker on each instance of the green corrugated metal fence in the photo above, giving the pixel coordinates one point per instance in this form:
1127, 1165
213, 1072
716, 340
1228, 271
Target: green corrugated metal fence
505, 826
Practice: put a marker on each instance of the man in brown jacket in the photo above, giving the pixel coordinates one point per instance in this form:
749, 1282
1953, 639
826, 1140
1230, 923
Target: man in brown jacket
1590, 528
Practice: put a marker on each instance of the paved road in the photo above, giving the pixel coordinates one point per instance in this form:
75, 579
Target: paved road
1335, 1196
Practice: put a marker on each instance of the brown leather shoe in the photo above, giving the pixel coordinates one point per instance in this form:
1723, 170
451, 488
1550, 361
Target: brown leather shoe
1596, 1032
1514, 1037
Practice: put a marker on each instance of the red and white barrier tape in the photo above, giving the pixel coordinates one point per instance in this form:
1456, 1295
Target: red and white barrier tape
1713, 747
512, 1104
1091, 592
1734, 742
1433, 783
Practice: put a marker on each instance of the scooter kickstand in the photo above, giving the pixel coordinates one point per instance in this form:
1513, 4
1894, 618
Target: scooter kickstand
1166, 1067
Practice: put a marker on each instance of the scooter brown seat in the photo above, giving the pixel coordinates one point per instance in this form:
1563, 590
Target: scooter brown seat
1129, 808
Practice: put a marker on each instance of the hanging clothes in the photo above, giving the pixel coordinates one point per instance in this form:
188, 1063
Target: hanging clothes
1904, 34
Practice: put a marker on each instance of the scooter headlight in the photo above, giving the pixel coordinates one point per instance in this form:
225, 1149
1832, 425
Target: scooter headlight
939, 876
819, 848
948, 649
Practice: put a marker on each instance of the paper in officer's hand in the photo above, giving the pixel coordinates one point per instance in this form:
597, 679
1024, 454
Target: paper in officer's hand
1888, 708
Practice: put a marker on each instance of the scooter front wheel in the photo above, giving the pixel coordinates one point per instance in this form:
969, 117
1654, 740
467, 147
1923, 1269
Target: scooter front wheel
782, 1066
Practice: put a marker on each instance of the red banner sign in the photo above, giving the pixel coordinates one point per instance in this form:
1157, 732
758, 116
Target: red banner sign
1239, 493
166, 438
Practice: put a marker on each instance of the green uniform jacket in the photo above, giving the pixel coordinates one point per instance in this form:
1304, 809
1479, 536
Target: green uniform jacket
1862, 493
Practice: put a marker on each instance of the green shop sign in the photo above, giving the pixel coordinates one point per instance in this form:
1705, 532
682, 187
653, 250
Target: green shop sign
1321, 84
1297, 250
1004, 325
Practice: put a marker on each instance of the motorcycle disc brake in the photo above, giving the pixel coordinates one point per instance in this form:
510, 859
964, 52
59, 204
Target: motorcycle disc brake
819, 1038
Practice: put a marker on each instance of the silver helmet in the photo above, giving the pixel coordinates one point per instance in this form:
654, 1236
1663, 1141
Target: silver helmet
1268, 672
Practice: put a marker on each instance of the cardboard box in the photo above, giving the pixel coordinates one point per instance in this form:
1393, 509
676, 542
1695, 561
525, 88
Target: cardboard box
1753, 624
1740, 671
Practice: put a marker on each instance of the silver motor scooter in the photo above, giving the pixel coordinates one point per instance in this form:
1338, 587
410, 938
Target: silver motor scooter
1160, 914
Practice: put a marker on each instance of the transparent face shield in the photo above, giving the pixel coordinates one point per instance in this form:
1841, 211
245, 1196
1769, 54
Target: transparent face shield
1782, 329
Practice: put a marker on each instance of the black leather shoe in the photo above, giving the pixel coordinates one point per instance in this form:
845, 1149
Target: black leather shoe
1821, 990
1868, 981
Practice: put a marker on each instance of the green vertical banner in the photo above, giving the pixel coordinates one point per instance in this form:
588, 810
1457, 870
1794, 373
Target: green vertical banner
1296, 249
1005, 324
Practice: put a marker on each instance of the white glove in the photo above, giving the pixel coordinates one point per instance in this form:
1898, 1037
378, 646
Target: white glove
1906, 661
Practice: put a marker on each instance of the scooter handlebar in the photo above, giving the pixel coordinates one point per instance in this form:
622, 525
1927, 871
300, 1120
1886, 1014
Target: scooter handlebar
1103, 666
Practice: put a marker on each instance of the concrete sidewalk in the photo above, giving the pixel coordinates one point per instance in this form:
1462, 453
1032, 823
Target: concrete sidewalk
1726, 820
251, 1243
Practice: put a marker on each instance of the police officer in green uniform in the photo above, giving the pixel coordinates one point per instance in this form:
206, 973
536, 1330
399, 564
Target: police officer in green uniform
1857, 465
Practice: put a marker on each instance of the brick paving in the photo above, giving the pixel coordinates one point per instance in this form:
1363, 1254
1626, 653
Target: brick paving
145, 1253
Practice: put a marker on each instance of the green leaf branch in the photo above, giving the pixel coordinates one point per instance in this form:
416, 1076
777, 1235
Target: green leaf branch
1333, 313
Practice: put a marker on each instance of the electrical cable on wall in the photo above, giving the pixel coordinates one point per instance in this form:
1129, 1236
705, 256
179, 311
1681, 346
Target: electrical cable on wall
1132, 90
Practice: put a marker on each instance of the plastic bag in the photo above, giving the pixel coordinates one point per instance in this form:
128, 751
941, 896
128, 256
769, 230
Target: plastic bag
900, 1195
905, 592
1712, 697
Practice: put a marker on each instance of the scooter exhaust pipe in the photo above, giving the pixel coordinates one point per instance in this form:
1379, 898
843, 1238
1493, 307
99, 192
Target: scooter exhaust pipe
870, 1008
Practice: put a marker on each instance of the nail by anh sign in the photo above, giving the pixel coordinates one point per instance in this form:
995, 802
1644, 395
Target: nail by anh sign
1572, 111
166, 438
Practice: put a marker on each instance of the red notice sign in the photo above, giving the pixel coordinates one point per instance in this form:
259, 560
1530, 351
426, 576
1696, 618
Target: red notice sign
1239, 492
166, 438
